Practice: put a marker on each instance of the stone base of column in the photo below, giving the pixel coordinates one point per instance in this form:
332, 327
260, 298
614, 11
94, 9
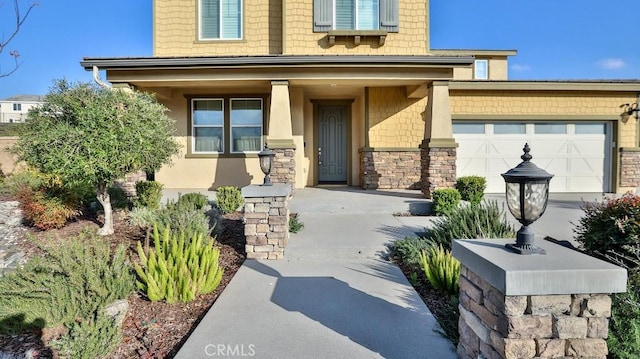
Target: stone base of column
128, 184
266, 220
390, 168
438, 165
629, 169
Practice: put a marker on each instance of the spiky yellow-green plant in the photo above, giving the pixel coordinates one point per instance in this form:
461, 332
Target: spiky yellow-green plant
441, 269
177, 269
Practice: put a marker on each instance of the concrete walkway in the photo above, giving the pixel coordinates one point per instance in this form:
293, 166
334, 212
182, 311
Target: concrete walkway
334, 296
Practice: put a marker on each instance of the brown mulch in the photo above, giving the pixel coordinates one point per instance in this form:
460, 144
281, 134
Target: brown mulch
151, 329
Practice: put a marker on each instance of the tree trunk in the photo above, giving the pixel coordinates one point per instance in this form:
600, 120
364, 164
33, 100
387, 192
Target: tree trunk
105, 201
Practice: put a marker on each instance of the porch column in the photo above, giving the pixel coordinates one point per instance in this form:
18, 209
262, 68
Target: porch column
280, 136
438, 148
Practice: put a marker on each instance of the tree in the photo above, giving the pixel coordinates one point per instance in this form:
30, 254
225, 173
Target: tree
86, 134
4, 41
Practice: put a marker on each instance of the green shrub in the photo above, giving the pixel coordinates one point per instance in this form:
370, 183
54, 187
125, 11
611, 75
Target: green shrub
2, 175
611, 229
186, 221
44, 211
193, 201
177, 269
408, 250
471, 188
74, 279
148, 194
486, 220
19, 181
228, 199
89, 338
441, 269
119, 198
624, 325
295, 225
445, 201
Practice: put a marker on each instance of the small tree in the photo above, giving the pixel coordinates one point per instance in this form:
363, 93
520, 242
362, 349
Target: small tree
86, 134
9, 34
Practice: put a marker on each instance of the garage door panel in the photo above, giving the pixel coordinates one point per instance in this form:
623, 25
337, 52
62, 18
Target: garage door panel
588, 166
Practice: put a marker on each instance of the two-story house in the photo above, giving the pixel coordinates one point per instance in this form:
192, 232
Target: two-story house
350, 92
15, 108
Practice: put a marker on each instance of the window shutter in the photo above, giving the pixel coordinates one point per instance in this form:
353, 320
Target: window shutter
209, 19
389, 15
322, 15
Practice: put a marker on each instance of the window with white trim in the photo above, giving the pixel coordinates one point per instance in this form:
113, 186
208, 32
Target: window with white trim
220, 19
226, 125
17, 107
355, 15
481, 69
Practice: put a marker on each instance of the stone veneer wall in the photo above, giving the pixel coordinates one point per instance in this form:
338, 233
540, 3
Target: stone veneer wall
495, 326
128, 184
266, 227
393, 169
438, 168
284, 166
630, 167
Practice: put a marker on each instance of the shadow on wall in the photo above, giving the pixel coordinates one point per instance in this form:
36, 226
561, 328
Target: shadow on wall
231, 172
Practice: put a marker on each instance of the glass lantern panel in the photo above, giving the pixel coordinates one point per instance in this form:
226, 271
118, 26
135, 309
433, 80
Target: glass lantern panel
265, 164
536, 195
513, 199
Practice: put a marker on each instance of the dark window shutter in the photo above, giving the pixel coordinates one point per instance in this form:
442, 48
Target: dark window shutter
389, 15
322, 15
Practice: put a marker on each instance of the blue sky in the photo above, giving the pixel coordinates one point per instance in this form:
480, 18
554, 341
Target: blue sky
555, 39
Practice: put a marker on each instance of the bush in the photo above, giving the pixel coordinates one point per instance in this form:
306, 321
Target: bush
445, 201
177, 269
624, 326
486, 220
228, 199
148, 194
89, 338
295, 225
119, 198
408, 250
441, 269
471, 188
611, 229
44, 211
193, 201
74, 279
185, 221
19, 181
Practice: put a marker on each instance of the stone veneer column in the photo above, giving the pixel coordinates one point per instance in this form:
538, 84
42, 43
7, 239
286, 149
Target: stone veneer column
629, 169
529, 306
266, 220
128, 184
280, 138
284, 166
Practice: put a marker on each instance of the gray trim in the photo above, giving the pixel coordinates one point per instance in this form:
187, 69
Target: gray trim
107, 63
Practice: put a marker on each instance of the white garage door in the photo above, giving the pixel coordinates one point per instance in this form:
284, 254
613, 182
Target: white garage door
576, 153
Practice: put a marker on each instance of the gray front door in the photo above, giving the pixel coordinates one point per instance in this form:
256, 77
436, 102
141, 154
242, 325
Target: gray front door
332, 143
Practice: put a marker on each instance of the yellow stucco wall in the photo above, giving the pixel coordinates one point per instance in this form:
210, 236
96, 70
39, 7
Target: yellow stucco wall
547, 103
394, 119
412, 39
176, 30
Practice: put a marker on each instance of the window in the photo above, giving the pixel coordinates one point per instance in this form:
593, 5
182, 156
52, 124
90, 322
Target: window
17, 107
509, 128
550, 129
481, 69
468, 128
214, 120
590, 129
220, 19
355, 15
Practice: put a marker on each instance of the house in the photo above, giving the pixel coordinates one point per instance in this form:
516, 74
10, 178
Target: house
15, 108
350, 92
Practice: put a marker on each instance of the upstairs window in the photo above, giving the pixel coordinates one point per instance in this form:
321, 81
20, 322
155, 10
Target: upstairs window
481, 69
17, 107
220, 19
355, 15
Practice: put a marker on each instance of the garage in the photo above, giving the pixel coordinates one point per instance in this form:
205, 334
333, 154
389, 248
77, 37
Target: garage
578, 154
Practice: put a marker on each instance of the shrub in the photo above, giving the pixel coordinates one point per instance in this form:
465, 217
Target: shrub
184, 220
193, 201
408, 250
177, 269
19, 181
611, 229
228, 199
295, 225
149, 194
2, 175
471, 188
89, 338
74, 279
624, 326
445, 201
441, 269
44, 211
119, 198
486, 220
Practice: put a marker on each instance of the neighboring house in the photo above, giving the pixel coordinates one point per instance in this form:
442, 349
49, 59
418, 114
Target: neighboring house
352, 93
15, 108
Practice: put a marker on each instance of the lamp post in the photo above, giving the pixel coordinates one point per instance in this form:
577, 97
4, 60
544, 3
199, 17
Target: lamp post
266, 162
527, 196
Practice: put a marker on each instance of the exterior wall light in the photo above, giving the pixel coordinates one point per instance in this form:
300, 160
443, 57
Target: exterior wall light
266, 162
527, 196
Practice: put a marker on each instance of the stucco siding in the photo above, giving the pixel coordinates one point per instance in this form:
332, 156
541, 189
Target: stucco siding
395, 121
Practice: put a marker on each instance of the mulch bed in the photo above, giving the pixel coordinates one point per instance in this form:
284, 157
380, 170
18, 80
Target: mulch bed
151, 329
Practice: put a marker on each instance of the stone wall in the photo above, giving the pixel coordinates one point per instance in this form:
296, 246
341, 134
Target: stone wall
438, 168
630, 168
390, 169
266, 221
495, 326
128, 184
284, 167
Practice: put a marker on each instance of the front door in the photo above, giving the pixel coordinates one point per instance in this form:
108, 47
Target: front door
332, 143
